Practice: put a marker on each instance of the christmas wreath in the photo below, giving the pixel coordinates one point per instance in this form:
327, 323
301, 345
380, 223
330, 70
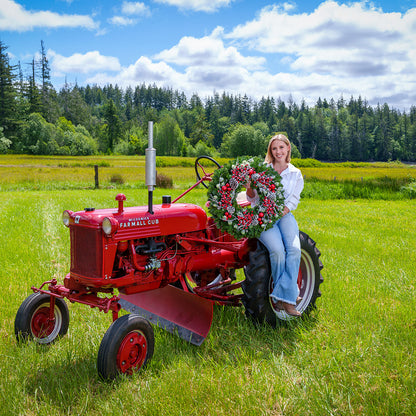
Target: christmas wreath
245, 221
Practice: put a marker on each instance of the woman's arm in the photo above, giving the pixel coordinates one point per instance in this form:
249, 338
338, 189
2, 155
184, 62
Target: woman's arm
293, 192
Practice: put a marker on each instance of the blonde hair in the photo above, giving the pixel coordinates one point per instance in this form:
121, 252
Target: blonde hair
269, 156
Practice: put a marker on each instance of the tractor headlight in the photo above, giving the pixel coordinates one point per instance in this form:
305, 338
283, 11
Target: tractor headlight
65, 218
109, 225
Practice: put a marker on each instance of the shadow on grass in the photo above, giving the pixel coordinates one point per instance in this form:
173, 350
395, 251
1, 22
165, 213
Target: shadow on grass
64, 387
233, 340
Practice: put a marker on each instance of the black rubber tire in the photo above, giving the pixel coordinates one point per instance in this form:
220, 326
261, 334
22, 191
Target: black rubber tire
198, 175
31, 320
126, 347
310, 269
258, 283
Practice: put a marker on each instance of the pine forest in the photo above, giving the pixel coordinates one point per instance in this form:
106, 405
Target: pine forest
37, 119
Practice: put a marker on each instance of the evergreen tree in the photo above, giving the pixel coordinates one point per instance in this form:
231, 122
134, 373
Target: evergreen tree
334, 129
8, 95
201, 131
216, 128
320, 143
32, 92
114, 126
74, 107
128, 104
48, 97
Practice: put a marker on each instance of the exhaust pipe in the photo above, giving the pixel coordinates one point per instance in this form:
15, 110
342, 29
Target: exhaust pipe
150, 168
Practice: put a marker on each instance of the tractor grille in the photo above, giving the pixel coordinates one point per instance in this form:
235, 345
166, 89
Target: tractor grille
86, 252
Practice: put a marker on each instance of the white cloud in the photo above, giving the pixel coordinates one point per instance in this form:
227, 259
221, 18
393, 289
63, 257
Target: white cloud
148, 71
197, 5
130, 9
350, 39
208, 79
143, 71
203, 80
134, 8
351, 48
82, 63
121, 21
337, 49
14, 17
208, 51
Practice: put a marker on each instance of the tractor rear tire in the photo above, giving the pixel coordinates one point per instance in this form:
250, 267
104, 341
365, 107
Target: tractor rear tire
32, 319
126, 347
257, 285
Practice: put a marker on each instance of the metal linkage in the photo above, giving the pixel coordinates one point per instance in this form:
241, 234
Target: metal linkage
91, 299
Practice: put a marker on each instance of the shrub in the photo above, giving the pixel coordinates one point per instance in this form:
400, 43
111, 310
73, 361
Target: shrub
409, 190
117, 178
163, 181
243, 140
4, 143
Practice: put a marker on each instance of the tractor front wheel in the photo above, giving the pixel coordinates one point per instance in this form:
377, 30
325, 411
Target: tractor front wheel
258, 283
126, 347
34, 319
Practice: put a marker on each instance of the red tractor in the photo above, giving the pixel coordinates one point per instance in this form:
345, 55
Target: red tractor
167, 264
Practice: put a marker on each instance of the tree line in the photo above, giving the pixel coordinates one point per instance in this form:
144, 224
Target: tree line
85, 120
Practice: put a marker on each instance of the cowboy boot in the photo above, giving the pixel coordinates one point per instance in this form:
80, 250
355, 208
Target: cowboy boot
290, 309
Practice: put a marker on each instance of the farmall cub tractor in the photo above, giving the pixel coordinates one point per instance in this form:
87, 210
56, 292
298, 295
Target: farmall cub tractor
167, 265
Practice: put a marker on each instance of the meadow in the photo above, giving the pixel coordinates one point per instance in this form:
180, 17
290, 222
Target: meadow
353, 355
23, 172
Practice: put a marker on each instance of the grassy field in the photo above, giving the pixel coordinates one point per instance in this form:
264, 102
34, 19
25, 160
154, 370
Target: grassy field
23, 172
354, 355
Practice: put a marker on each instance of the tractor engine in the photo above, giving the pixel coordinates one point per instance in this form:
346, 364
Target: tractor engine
134, 250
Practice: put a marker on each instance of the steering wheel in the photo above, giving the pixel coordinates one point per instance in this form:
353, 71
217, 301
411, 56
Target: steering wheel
205, 169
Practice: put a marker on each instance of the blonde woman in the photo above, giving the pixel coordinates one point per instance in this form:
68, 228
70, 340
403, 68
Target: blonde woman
282, 240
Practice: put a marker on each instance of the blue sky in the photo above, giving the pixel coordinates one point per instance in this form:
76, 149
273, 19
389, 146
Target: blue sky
298, 50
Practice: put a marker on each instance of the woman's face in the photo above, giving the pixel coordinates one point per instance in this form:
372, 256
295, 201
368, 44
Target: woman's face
280, 150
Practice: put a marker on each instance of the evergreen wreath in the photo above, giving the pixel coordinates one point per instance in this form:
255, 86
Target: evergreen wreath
228, 181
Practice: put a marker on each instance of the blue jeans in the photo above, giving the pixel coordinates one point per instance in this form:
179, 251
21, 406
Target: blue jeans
282, 241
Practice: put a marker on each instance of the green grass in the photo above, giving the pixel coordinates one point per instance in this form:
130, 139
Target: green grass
323, 180
354, 355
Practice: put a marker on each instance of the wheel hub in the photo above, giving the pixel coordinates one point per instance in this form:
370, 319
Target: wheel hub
132, 352
42, 325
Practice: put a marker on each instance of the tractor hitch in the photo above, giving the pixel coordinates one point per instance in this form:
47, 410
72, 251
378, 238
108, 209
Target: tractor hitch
86, 298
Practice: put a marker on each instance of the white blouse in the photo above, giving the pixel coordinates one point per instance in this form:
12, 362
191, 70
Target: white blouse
292, 181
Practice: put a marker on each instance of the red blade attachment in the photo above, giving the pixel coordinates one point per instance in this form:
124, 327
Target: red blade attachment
175, 310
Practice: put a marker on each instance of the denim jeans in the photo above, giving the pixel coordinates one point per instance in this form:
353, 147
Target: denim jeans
282, 241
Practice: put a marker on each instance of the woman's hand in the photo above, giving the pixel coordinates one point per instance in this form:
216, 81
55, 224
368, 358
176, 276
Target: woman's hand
249, 190
286, 210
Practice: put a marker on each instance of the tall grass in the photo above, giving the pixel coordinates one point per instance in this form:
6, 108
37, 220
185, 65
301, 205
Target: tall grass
354, 355
323, 180
386, 188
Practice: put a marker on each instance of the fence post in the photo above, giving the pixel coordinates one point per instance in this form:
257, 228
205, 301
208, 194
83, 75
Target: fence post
96, 177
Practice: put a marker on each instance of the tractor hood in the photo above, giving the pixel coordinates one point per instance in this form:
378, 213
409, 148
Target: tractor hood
137, 222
